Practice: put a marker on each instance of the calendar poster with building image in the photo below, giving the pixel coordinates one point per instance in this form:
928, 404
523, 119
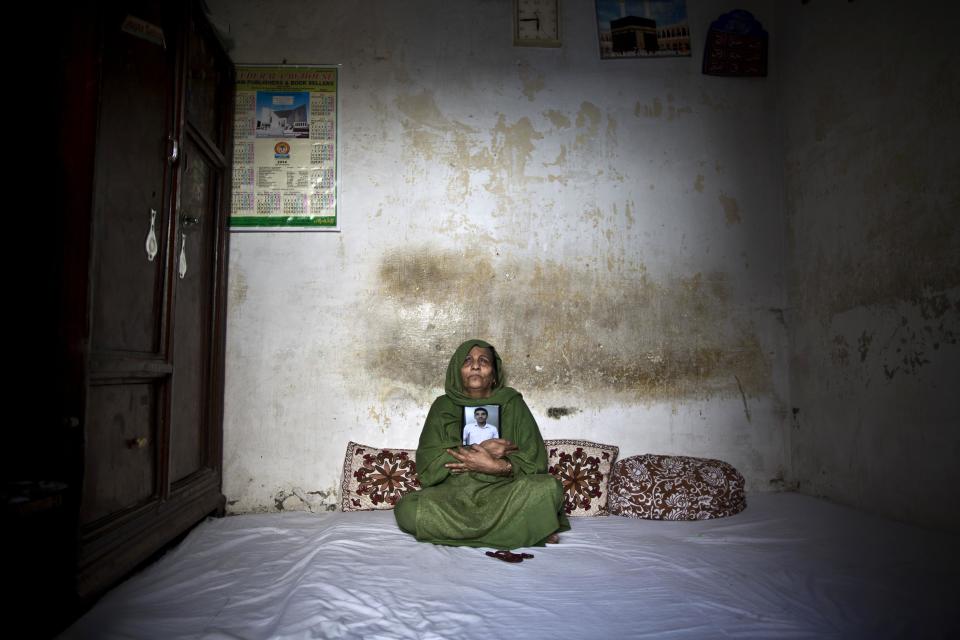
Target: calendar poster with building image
285, 148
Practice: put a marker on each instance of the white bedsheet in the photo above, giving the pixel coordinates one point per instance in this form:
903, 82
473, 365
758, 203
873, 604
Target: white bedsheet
790, 566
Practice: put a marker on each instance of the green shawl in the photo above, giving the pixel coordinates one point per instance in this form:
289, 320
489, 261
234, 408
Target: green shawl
477, 509
442, 430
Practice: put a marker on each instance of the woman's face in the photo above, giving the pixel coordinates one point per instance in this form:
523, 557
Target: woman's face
477, 373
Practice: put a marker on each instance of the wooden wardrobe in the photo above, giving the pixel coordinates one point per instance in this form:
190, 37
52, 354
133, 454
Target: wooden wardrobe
125, 361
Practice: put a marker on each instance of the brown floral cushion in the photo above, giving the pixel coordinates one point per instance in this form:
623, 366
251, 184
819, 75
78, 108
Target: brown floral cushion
376, 478
583, 467
660, 487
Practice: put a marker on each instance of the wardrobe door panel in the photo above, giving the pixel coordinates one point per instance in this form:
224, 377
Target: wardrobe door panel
121, 467
206, 86
136, 115
193, 313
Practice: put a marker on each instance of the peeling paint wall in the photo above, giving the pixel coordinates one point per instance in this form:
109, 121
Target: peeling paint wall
615, 228
872, 148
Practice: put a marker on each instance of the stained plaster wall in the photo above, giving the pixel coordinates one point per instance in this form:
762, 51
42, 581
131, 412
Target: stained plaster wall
614, 227
872, 149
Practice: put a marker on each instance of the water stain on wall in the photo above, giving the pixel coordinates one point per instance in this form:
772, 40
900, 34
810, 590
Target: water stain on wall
559, 120
594, 215
842, 351
381, 417
910, 346
561, 158
902, 338
559, 412
495, 160
674, 111
588, 118
654, 110
731, 209
238, 287
898, 255
296, 499
422, 109
611, 129
532, 82
503, 158
904, 243
863, 344
563, 328
512, 146
628, 212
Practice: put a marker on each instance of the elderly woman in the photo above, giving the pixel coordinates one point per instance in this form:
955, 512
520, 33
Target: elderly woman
494, 494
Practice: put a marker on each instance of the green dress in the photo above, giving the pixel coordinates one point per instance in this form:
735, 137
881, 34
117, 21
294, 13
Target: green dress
476, 509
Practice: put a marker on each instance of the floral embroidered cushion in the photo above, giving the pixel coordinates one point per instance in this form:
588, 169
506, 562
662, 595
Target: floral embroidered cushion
583, 467
659, 487
376, 478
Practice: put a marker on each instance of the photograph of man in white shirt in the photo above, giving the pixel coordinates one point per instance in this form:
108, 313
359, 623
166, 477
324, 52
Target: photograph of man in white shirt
479, 430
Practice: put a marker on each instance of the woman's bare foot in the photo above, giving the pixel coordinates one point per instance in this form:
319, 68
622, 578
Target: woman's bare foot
553, 538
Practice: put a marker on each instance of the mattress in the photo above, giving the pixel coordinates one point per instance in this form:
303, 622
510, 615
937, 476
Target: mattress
789, 566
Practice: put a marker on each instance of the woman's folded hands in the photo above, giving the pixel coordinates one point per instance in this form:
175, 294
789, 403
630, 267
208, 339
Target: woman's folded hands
486, 457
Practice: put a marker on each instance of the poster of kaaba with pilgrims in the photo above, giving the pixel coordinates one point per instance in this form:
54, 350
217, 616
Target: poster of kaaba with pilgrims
643, 28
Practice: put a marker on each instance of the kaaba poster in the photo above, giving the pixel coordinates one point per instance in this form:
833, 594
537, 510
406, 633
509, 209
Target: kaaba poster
643, 28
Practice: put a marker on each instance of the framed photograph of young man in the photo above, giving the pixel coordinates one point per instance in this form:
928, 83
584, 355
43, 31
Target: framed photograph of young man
480, 422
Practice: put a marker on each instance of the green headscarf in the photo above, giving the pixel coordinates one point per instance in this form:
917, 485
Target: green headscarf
500, 393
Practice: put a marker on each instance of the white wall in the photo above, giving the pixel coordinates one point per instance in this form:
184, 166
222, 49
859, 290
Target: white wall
615, 228
872, 149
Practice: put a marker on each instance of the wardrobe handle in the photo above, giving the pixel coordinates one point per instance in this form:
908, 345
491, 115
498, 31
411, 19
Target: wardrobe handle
151, 244
185, 223
182, 269
174, 150
137, 443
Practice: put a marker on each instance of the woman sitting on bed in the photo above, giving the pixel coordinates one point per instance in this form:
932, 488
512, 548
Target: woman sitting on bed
494, 494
